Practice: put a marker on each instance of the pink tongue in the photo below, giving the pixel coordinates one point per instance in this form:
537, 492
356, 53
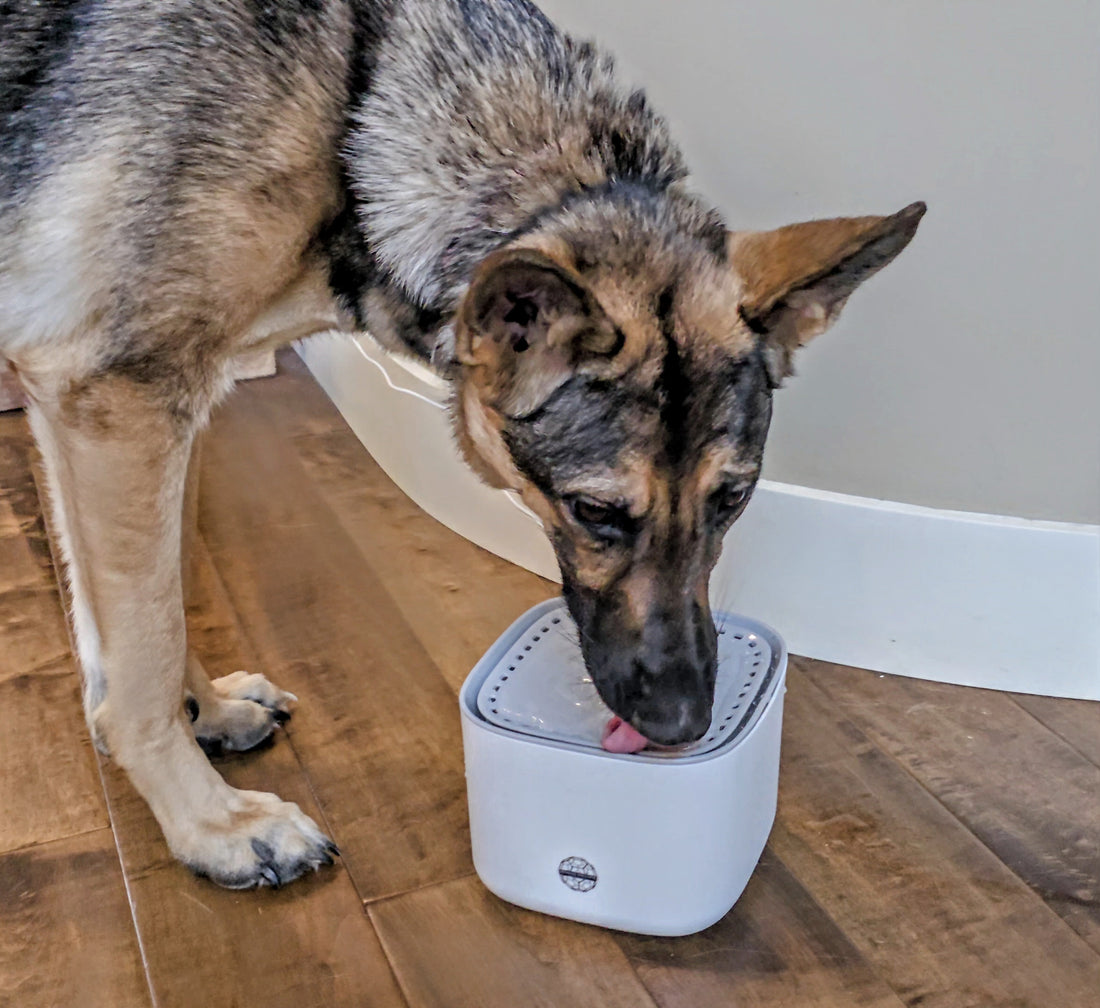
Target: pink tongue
619, 737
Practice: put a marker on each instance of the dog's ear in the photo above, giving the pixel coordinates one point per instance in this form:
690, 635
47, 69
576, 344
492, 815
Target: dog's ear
795, 280
526, 325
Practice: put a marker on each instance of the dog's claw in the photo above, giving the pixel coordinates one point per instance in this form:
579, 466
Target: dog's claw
271, 874
266, 853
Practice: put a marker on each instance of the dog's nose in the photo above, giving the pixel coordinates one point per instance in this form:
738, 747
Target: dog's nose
687, 721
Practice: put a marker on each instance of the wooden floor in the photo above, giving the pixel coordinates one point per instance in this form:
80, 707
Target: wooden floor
934, 846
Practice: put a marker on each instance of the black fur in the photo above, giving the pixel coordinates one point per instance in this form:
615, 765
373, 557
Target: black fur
673, 387
352, 266
281, 21
554, 443
37, 40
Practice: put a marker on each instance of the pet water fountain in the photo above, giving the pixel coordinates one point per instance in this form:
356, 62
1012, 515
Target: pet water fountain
656, 842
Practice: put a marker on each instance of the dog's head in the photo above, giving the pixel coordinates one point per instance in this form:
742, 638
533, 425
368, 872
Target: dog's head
619, 375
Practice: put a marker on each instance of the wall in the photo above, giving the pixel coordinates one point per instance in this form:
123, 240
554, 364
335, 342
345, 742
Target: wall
966, 375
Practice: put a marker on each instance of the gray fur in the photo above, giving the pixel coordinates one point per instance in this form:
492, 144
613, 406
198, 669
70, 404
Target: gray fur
484, 116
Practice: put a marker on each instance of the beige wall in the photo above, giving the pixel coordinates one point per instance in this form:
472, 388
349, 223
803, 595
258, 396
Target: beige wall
967, 375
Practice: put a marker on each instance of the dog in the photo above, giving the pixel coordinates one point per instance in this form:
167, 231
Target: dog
183, 182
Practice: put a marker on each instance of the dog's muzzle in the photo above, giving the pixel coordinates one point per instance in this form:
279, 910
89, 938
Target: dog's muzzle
669, 706
659, 678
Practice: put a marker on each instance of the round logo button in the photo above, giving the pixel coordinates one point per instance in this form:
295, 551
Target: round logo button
578, 874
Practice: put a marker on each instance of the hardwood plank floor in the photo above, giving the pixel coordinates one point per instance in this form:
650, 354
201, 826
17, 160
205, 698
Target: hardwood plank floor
49, 788
939, 915
66, 934
777, 947
1000, 789
456, 945
304, 946
1073, 721
934, 846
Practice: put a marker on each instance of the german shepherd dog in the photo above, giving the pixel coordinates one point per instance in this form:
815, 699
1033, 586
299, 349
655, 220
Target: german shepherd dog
183, 181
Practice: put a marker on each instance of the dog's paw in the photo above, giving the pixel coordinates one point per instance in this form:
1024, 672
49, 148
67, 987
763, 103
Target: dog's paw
241, 714
257, 688
263, 841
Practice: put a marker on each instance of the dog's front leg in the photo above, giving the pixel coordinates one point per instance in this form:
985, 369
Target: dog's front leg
117, 459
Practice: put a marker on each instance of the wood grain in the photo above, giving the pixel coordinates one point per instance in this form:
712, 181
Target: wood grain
49, 787
1075, 721
1027, 795
457, 946
307, 946
777, 947
66, 938
944, 921
31, 619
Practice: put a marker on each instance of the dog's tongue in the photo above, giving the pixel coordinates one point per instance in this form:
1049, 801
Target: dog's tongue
619, 737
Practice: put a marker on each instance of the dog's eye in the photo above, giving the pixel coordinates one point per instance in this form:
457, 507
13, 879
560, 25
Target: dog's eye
727, 501
610, 522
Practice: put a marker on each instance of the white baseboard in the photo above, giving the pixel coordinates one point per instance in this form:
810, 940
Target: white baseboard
980, 600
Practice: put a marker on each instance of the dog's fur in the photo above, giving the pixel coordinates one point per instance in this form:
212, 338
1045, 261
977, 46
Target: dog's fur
185, 181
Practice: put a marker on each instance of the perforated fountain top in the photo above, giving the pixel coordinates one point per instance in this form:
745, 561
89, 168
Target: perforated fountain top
537, 684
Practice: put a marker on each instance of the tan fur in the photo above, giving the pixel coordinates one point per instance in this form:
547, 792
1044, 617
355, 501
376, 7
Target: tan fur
480, 438
788, 275
123, 543
116, 453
